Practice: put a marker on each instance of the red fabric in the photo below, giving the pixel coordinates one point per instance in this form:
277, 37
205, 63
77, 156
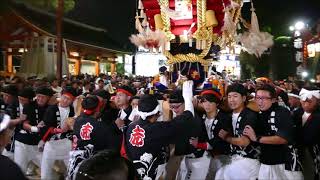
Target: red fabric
97, 109
46, 135
211, 92
203, 146
123, 151
69, 95
51, 131
125, 92
88, 112
152, 8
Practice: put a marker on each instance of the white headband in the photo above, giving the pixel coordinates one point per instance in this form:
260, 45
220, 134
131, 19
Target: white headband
144, 115
293, 95
5, 122
306, 94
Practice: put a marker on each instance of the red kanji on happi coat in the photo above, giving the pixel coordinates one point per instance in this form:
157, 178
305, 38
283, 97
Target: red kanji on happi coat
137, 136
85, 131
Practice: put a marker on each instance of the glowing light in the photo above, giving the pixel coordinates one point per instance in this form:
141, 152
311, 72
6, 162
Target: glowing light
299, 25
304, 74
311, 50
74, 54
291, 28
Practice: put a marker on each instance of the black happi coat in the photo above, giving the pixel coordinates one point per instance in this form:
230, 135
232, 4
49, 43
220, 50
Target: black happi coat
276, 121
10, 170
34, 115
108, 116
88, 130
147, 143
52, 119
247, 117
221, 121
309, 137
90, 136
13, 110
191, 127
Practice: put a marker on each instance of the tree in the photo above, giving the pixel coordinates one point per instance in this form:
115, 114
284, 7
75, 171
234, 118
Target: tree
60, 6
282, 58
252, 67
278, 63
50, 5
120, 68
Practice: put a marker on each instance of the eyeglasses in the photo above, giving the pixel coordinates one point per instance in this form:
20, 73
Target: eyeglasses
175, 106
261, 98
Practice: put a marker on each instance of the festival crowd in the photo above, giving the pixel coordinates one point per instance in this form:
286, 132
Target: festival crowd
118, 127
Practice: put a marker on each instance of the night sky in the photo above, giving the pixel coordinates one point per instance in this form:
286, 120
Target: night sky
280, 14
117, 16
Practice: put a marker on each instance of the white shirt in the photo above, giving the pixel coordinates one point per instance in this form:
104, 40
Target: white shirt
21, 108
64, 114
305, 117
163, 80
234, 120
208, 122
85, 91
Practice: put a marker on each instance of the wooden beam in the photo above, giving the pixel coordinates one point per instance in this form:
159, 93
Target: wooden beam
113, 67
59, 38
8, 37
97, 64
9, 63
31, 26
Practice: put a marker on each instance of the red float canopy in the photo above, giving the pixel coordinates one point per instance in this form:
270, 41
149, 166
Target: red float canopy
152, 8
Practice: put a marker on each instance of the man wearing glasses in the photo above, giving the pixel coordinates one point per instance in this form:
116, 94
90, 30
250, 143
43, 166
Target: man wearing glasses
275, 138
191, 166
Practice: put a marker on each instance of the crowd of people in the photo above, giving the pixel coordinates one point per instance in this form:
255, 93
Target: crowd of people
117, 127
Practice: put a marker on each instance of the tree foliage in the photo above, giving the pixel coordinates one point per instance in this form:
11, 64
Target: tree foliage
120, 68
278, 63
282, 58
50, 5
252, 67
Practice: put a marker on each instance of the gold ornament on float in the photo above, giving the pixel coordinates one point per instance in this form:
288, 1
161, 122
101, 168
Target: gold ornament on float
211, 20
158, 22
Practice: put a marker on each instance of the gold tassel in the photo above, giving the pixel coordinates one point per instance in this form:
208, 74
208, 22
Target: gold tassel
198, 44
158, 22
211, 19
203, 44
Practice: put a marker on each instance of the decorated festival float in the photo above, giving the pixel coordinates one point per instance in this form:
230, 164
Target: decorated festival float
192, 33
